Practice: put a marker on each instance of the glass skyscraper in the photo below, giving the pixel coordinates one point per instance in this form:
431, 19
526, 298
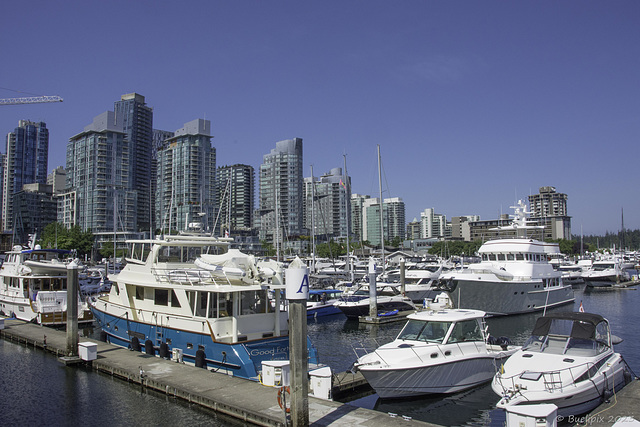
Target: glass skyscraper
26, 162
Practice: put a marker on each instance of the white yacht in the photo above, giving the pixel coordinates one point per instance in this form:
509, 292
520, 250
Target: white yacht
438, 351
568, 361
33, 286
389, 300
606, 272
221, 321
514, 276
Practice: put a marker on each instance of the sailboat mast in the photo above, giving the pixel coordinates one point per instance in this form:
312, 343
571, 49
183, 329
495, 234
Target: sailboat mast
313, 224
381, 206
347, 200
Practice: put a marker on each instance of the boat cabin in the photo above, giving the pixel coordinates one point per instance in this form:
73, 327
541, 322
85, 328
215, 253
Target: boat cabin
443, 328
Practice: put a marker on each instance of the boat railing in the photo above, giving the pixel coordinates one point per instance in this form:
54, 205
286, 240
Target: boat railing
188, 276
552, 380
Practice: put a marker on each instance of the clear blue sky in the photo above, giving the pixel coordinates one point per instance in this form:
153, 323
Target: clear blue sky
475, 104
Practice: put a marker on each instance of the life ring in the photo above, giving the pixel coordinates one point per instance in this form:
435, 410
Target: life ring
282, 402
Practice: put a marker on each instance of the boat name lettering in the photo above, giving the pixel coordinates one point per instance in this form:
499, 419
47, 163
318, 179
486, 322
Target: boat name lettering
269, 351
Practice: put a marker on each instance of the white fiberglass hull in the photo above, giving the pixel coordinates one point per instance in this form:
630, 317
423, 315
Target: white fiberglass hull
444, 378
571, 399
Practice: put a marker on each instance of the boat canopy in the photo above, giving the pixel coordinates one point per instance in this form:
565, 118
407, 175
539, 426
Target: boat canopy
584, 324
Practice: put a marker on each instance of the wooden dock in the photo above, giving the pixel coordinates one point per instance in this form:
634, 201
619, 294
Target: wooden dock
246, 400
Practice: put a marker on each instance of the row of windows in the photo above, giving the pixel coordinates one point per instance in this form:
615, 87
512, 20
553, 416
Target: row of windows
514, 257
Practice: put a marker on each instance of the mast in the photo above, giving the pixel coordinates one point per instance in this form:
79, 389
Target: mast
381, 206
347, 198
313, 224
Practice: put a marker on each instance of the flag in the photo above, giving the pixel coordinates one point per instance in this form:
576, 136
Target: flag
581, 309
342, 183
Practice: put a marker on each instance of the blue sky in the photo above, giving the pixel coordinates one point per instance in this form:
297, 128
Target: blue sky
475, 104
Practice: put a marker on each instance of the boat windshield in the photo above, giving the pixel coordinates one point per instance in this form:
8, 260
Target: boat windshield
569, 337
418, 330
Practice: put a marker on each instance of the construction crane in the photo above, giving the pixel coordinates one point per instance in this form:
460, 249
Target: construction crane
30, 100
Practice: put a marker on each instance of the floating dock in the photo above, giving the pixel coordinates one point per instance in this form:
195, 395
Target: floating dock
243, 399
621, 409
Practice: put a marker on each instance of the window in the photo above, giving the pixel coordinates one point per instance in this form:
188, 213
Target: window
174, 299
468, 330
140, 292
161, 297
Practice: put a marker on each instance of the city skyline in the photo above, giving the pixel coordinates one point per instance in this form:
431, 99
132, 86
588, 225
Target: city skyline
474, 106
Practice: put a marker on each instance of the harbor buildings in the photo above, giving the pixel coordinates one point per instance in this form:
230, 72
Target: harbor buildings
393, 217
326, 200
280, 204
186, 173
98, 195
433, 225
549, 208
26, 162
235, 193
137, 123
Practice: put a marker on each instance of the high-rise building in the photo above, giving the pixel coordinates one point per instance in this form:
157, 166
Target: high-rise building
236, 192
432, 225
393, 215
281, 193
57, 179
137, 123
35, 208
549, 208
186, 177
98, 196
26, 162
329, 217
358, 226
159, 137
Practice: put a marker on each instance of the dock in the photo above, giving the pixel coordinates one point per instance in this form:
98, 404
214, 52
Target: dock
243, 399
622, 409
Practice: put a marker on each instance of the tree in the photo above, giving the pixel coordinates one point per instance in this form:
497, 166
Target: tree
56, 235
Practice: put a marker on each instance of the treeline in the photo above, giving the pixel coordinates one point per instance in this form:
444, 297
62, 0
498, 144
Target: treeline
627, 239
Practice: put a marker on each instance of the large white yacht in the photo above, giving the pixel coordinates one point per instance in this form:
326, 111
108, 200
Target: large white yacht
514, 276
220, 318
33, 286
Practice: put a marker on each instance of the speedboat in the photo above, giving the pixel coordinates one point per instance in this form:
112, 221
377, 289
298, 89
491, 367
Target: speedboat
321, 302
514, 276
33, 286
389, 300
568, 361
163, 299
606, 272
439, 350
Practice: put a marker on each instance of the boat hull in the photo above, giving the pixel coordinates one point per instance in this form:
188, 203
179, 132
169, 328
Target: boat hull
242, 359
361, 308
501, 297
444, 378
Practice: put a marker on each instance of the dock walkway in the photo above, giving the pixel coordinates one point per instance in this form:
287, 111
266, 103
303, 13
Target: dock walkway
246, 400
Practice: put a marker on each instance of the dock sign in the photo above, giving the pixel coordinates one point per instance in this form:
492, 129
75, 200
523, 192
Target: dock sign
297, 283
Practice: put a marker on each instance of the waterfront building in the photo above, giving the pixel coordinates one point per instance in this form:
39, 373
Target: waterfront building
330, 206
413, 230
357, 220
432, 225
281, 194
393, 215
460, 229
35, 208
98, 196
57, 179
158, 137
235, 193
137, 124
26, 162
549, 208
186, 174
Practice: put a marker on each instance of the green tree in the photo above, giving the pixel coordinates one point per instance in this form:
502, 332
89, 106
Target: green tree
56, 235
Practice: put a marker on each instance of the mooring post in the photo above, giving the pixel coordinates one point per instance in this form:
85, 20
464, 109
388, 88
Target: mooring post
373, 291
402, 277
297, 287
72, 308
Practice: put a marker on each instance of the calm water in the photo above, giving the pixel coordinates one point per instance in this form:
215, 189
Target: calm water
475, 407
38, 390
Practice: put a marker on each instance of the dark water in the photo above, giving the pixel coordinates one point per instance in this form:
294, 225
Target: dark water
338, 340
35, 389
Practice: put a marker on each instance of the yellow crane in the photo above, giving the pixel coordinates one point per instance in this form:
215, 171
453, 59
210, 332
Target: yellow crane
30, 100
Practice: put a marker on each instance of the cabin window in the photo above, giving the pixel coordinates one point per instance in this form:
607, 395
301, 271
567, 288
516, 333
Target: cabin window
492, 257
174, 299
468, 330
520, 257
253, 302
36, 284
161, 297
201, 306
511, 257
226, 304
501, 257
213, 306
140, 292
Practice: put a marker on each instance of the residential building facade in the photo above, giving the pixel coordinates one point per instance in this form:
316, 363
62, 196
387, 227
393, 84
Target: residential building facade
26, 162
326, 216
186, 177
236, 193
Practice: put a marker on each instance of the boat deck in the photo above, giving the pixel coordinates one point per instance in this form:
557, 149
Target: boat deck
246, 400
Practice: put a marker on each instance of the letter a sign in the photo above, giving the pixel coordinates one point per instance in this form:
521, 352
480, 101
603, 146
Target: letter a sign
297, 283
